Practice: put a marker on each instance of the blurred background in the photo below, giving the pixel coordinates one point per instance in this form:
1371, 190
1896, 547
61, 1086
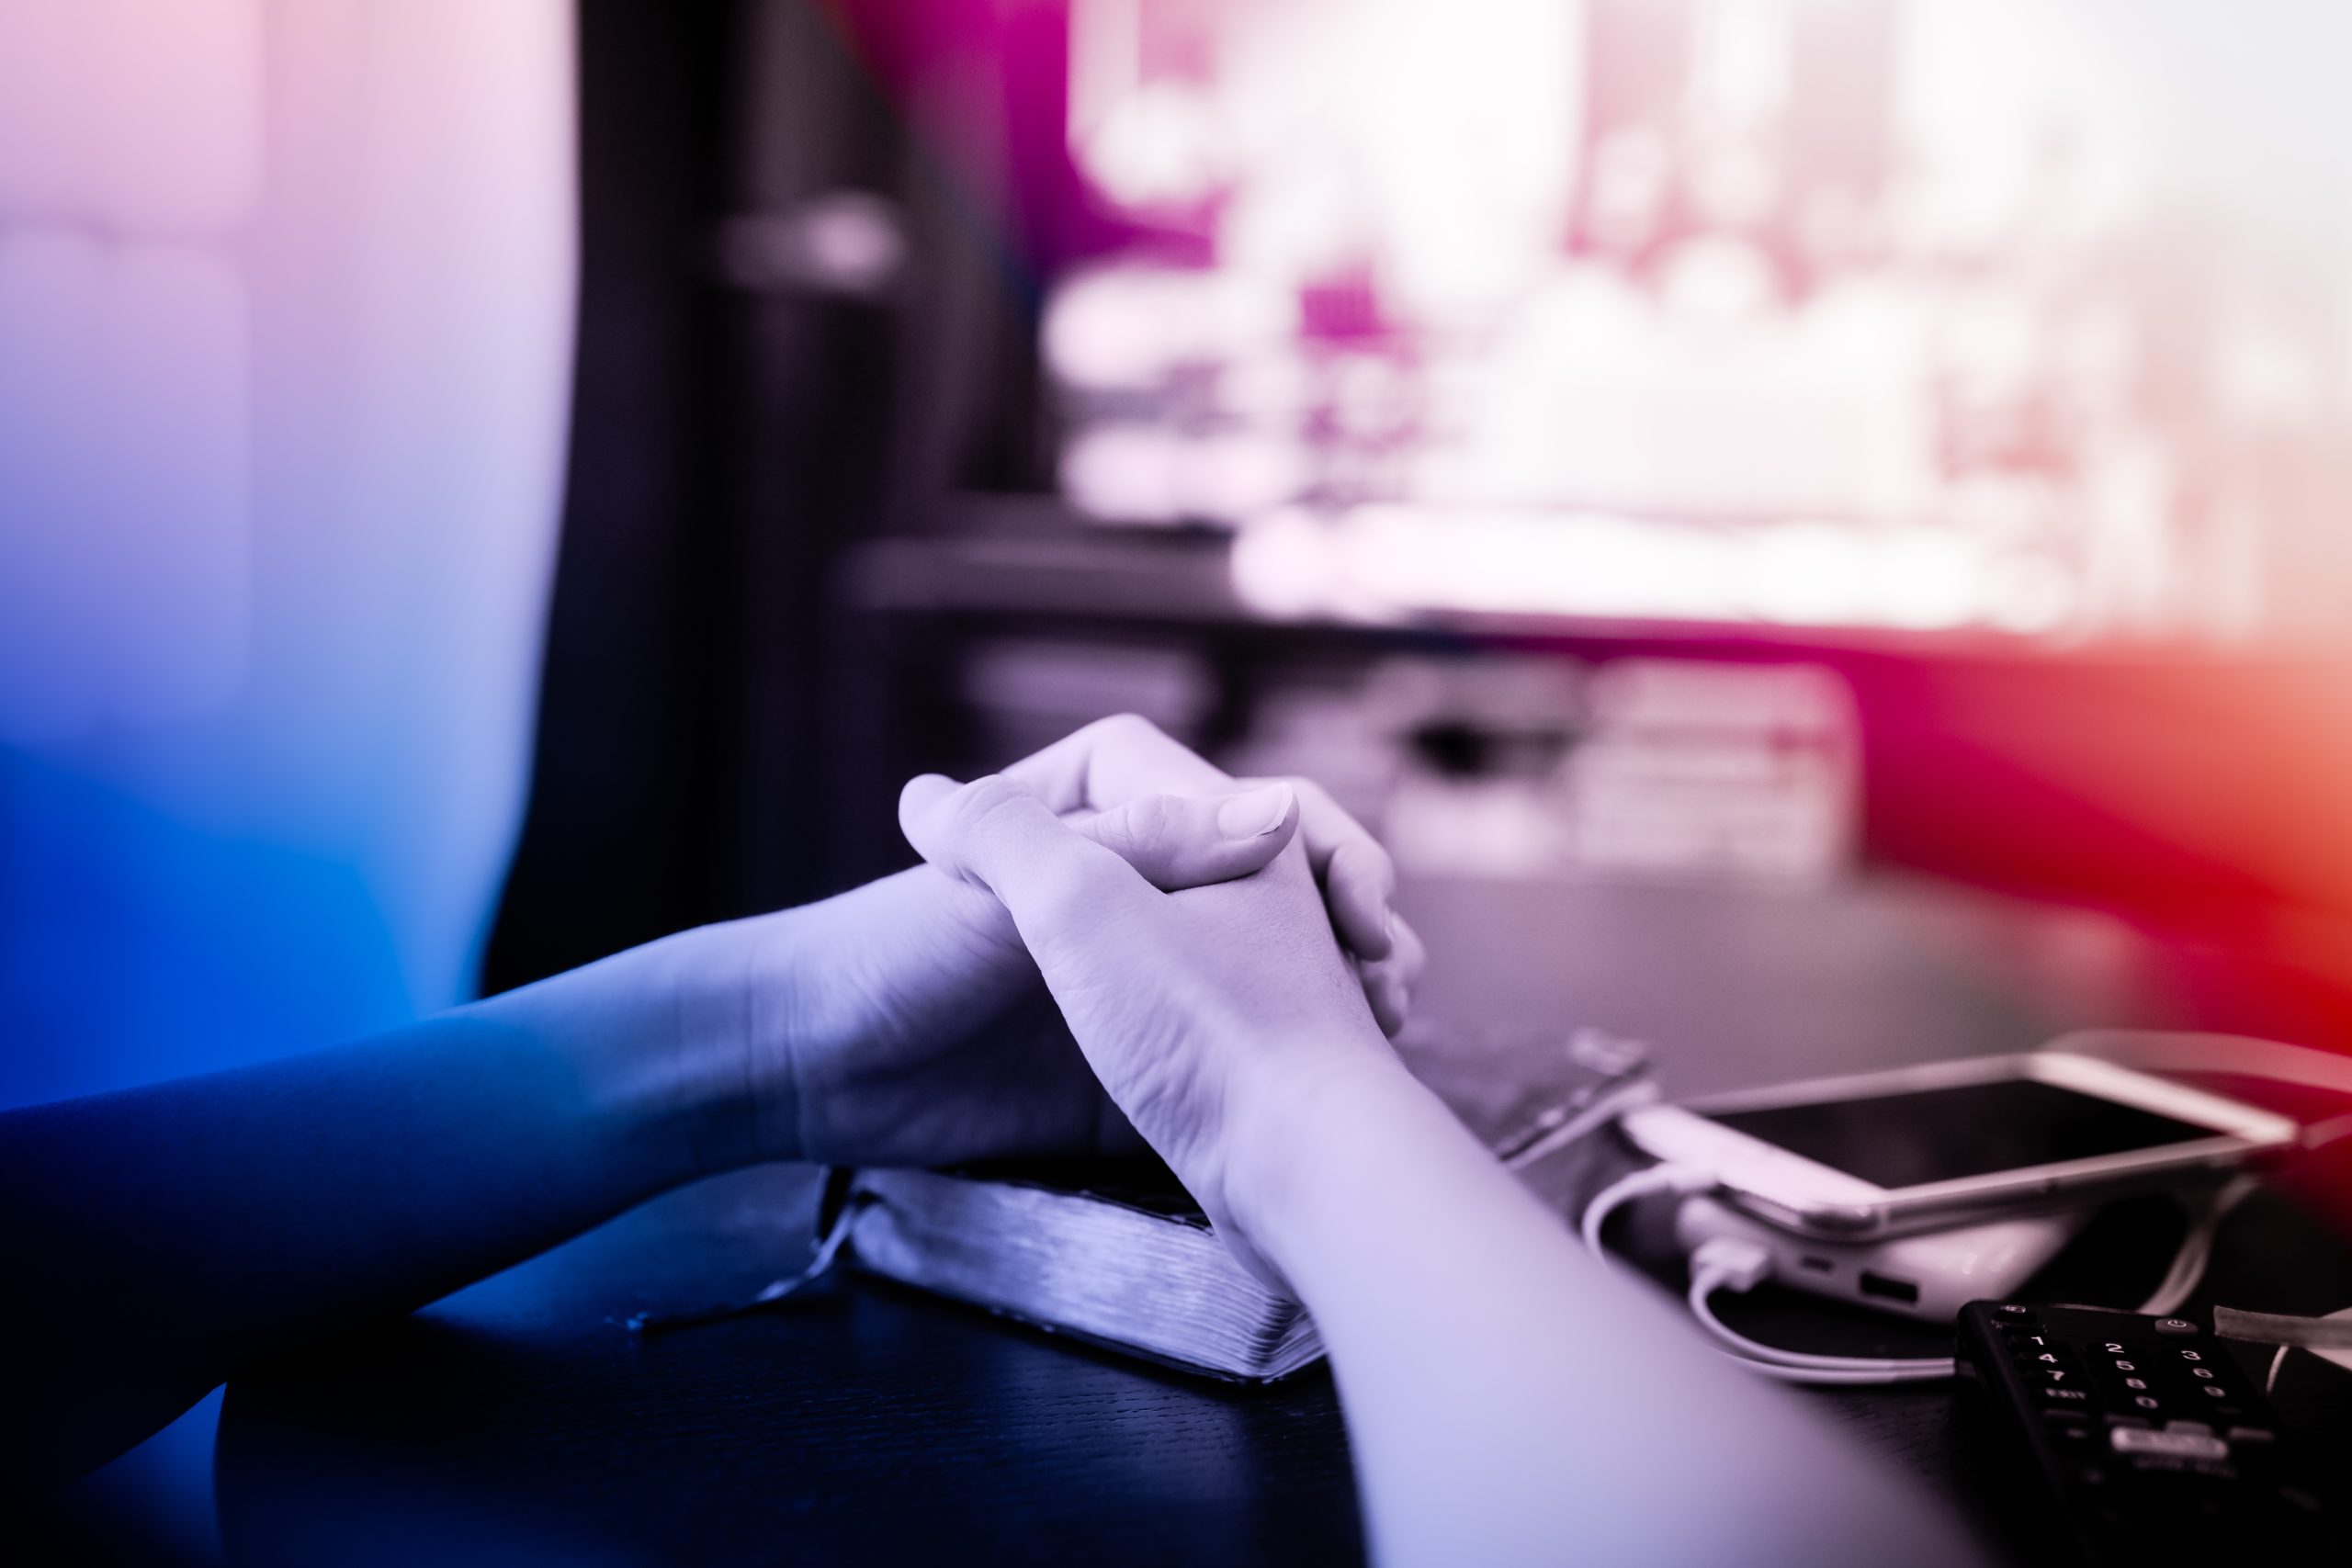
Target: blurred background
1827, 511
483, 486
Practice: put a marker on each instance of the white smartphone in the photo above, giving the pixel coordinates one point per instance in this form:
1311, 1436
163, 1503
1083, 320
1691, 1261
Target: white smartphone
1921, 1148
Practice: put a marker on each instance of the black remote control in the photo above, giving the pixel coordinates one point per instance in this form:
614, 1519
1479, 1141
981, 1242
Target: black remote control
2157, 1445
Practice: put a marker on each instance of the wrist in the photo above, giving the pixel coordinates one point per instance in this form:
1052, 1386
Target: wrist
1298, 1122
744, 1004
859, 1004
658, 1040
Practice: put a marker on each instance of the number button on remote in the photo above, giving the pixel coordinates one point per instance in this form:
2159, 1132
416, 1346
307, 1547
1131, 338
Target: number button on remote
2158, 1445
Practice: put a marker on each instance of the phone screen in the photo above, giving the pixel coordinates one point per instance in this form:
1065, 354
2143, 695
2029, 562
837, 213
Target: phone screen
1943, 1135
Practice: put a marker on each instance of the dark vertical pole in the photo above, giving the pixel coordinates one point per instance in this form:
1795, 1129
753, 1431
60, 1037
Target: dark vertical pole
617, 845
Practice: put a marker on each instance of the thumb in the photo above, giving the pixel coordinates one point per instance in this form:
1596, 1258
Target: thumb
1175, 842
996, 835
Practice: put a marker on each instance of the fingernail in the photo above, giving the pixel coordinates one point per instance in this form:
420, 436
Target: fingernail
1254, 814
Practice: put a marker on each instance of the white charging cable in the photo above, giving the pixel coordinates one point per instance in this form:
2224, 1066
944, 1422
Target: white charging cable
2195, 1249
2230, 1056
1688, 1180
1726, 1263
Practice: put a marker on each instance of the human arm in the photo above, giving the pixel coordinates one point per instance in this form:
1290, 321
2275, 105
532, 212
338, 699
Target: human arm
1508, 1399
162, 1239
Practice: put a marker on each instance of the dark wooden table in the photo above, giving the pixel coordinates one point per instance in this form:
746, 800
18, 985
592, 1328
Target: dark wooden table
866, 1423
518, 1422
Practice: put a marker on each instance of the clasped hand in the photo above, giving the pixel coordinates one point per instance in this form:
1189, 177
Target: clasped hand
1201, 936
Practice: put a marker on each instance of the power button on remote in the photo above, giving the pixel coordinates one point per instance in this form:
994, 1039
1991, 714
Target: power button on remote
2175, 1326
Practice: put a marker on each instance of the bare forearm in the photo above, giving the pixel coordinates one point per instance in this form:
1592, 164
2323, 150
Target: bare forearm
1508, 1398
162, 1238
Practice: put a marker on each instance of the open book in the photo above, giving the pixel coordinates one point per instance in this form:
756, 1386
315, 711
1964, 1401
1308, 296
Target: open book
1119, 1254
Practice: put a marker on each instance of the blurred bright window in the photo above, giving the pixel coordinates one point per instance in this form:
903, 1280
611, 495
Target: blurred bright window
2019, 317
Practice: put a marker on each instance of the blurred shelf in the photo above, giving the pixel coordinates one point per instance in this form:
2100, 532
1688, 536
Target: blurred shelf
1017, 555
1014, 558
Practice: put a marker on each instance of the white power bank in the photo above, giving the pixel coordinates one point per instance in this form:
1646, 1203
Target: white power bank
1930, 1276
